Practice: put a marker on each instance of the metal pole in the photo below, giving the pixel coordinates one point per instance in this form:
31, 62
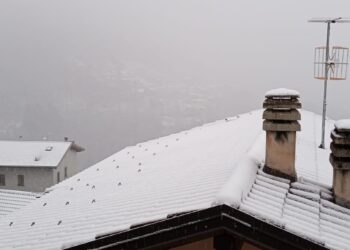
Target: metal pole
325, 86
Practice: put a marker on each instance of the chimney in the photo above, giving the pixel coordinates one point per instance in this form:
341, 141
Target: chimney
340, 160
281, 123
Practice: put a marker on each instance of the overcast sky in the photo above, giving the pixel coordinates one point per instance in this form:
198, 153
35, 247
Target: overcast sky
240, 48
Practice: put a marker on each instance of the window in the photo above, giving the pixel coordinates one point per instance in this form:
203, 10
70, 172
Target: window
65, 172
20, 179
58, 177
2, 180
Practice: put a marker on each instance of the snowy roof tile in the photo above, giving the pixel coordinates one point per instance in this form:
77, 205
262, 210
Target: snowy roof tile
34, 153
301, 209
11, 200
187, 171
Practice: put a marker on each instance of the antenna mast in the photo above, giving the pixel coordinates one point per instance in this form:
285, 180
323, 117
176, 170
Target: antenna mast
323, 60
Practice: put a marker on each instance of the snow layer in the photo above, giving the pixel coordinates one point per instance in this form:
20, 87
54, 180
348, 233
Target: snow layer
239, 184
282, 92
32, 153
243, 176
299, 209
212, 164
342, 124
177, 173
11, 200
312, 162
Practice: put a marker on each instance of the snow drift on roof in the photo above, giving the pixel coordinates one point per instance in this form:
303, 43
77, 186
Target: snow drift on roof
243, 176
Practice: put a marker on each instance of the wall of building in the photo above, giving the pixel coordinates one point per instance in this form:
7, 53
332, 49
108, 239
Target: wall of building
248, 246
70, 161
35, 179
208, 244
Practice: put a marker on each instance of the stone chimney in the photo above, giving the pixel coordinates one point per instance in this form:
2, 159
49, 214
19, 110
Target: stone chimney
281, 123
340, 160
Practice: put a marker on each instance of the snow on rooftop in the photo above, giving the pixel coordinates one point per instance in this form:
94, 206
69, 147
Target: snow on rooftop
243, 176
187, 171
312, 162
301, 208
11, 200
282, 92
32, 153
342, 124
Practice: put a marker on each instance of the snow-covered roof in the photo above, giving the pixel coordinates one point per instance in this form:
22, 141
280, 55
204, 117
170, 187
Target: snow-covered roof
11, 200
34, 153
282, 92
195, 169
303, 208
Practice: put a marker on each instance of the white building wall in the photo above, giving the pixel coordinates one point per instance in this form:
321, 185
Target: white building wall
70, 161
35, 179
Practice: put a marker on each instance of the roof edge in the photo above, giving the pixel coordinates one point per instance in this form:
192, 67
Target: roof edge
76, 147
201, 224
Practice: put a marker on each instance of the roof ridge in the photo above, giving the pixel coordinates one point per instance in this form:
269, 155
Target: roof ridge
243, 175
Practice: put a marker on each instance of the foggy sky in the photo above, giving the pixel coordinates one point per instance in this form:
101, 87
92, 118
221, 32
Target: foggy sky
59, 61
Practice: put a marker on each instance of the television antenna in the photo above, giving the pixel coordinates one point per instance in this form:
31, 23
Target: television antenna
329, 67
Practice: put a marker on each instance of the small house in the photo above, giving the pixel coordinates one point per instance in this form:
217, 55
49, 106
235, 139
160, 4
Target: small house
36, 165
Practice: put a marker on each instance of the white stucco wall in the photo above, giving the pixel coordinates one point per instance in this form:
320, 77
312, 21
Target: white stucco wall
35, 179
70, 161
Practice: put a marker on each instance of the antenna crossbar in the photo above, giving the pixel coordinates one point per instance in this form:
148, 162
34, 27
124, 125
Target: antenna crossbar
329, 20
326, 66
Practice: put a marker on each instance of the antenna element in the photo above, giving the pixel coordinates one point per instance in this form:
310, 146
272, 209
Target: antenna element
329, 67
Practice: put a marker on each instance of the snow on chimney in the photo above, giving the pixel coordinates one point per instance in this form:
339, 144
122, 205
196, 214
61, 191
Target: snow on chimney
340, 160
281, 123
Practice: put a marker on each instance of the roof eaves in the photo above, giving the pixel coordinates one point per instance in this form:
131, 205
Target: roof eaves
28, 166
77, 147
200, 224
74, 147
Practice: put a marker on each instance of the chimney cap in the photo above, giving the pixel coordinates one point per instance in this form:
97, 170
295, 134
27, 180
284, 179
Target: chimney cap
342, 125
282, 93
